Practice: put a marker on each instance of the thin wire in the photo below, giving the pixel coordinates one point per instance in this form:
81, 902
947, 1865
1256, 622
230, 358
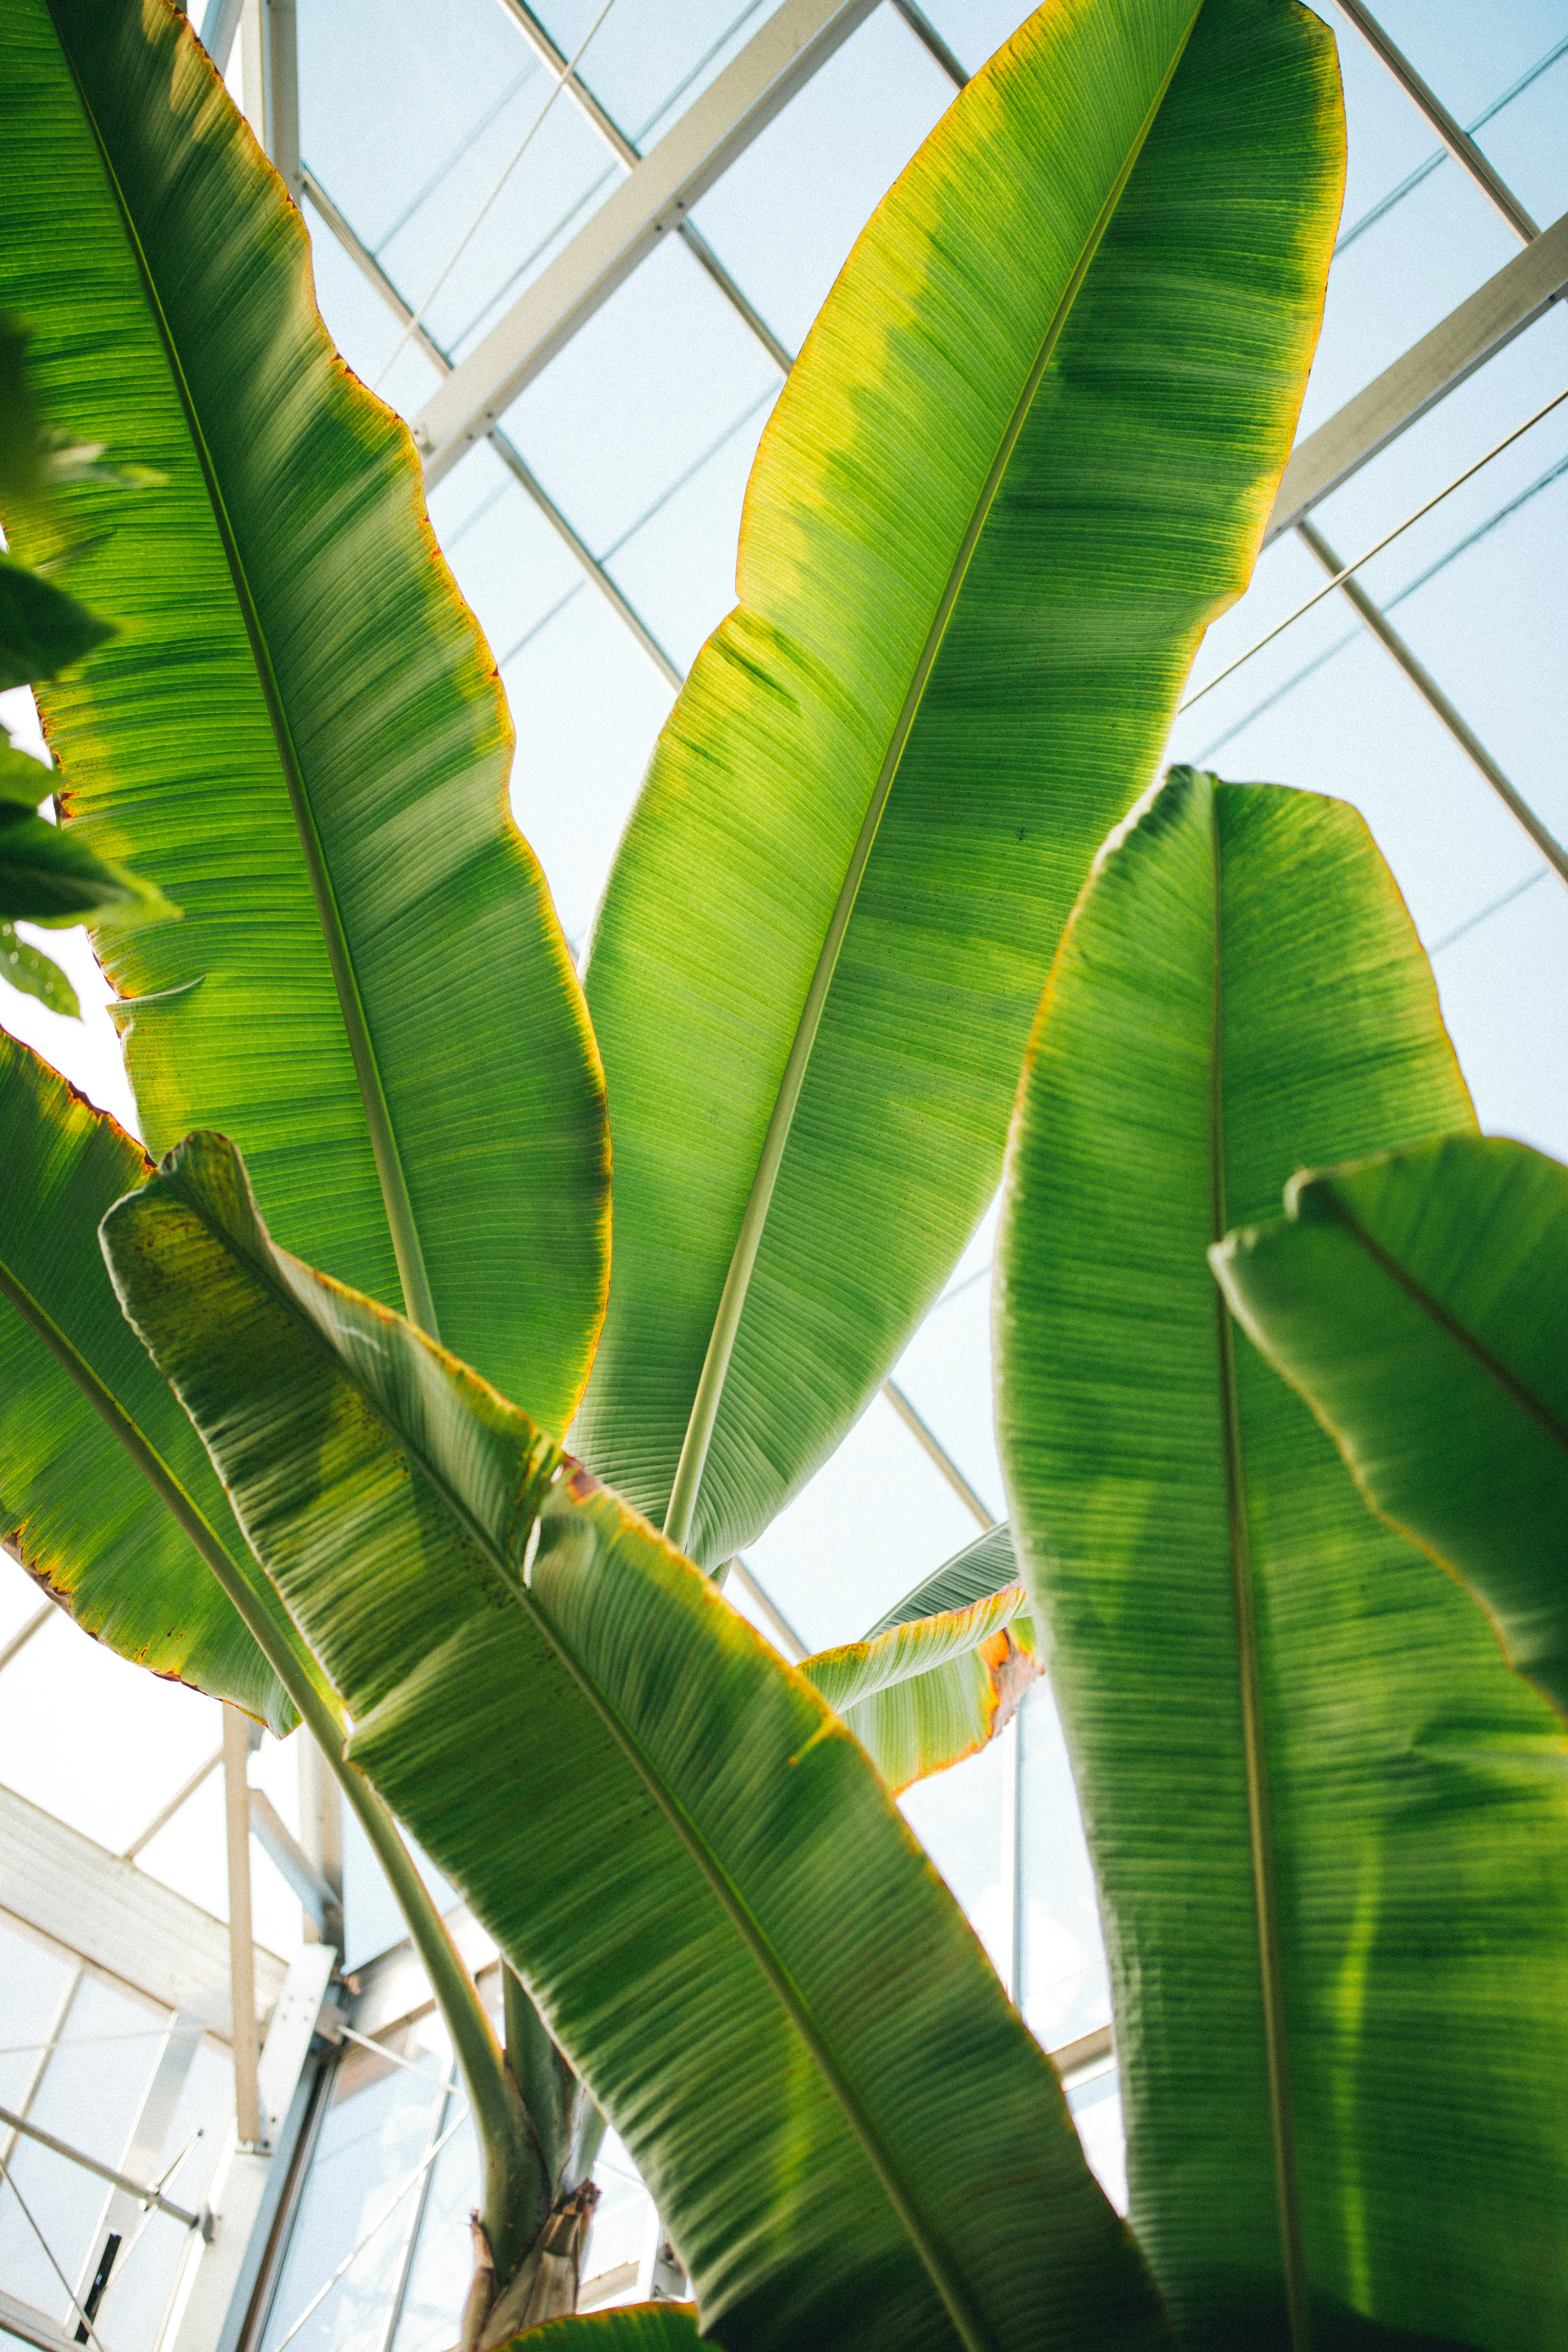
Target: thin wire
322, 2294
394, 2057
1386, 540
561, 81
92, 2332
1356, 636
87, 2041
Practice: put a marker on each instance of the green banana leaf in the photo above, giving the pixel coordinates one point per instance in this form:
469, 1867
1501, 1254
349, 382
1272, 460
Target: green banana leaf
705, 1888
635, 2327
298, 736
988, 524
43, 629
1418, 1302
83, 1517
941, 1673
48, 876
36, 974
1239, 1649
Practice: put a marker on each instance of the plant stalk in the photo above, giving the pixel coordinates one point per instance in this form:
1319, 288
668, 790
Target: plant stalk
495, 2105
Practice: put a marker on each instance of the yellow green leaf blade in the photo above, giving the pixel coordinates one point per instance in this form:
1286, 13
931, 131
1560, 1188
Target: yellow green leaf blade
976, 587
635, 2327
700, 1880
1417, 1302
298, 735
931, 1690
83, 1516
1240, 993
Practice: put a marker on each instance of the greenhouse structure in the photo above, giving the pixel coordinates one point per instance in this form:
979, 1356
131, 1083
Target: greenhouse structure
990, 336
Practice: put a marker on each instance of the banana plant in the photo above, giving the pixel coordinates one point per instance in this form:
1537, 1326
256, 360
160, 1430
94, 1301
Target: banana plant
987, 528
1328, 1822
1416, 1302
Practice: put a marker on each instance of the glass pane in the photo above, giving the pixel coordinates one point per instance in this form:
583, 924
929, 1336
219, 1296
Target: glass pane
417, 125
1502, 71
822, 166
360, 2202
33, 1983
1067, 1990
974, 29
90, 2094
964, 1818
1397, 271
147, 2267
648, 59
1096, 2103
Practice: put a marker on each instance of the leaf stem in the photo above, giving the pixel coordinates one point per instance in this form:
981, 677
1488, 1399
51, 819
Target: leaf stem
722, 1339
1254, 1738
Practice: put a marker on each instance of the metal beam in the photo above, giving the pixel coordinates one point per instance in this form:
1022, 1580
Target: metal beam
139, 2191
287, 1856
122, 1923
511, 458
1492, 316
165, 1813
1437, 702
219, 26
930, 39
930, 1444
653, 199
20, 2319
102, 2271
1454, 138
20, 1639
280, 90
621, 147
241, 1942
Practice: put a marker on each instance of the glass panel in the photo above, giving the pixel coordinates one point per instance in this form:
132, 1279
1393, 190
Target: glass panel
1067, 1989
90, 2095
945, 1370
96, 1741
414, 123
588, 704
1096, 2103
360, 2195
974, 29
361, 324
1502, 71
33, 1983
873, 1521
640, 397
443, 2257
1397, 271
822, 167
649, 59
964, 1818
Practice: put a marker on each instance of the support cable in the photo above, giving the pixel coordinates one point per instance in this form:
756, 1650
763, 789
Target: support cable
1345, 570
1437, 702
479, 216
92, 2335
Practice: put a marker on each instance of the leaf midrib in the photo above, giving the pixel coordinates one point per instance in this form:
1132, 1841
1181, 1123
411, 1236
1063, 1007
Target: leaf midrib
1466, 1339
706, 1402
1260, 1829
395, 1198
973, 2330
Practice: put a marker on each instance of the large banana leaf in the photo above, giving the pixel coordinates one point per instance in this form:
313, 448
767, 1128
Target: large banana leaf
1332, 1867
941, 1673
1024, 458
298, 735
1419, 1303
73, 1496
706, 1889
